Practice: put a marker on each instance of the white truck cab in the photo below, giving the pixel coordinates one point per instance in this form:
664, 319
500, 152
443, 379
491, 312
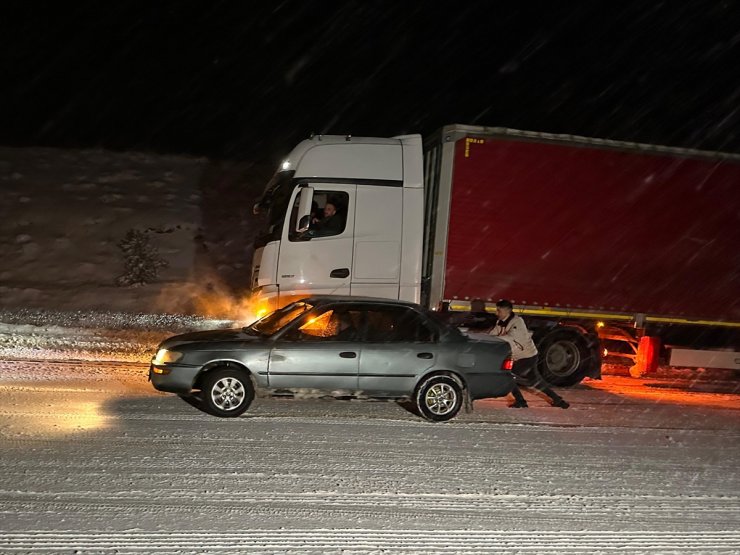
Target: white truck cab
372, 246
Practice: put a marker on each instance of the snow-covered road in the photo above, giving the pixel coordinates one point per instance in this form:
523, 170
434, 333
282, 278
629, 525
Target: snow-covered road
94, 461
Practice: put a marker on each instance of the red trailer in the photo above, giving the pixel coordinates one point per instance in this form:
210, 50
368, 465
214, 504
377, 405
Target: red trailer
590, 236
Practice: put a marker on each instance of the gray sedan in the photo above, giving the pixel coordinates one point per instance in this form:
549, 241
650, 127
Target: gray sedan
343, 345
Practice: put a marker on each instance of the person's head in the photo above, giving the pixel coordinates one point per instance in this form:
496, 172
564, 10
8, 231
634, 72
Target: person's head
329, 210
504, 309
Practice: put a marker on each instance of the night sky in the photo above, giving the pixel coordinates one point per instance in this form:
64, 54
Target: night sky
247, 80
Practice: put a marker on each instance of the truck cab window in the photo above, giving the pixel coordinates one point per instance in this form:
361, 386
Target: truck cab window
328, 215
274, 203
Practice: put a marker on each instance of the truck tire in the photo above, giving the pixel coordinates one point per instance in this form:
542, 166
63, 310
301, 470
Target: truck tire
564, 357
439, 398
227, 392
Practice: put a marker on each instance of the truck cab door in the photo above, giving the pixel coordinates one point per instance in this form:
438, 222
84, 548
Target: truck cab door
319, 261
376, 268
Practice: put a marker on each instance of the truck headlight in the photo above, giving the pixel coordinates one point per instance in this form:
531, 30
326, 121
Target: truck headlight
164, 356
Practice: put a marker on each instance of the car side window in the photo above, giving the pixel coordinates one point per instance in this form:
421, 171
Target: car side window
329, 325
397, 324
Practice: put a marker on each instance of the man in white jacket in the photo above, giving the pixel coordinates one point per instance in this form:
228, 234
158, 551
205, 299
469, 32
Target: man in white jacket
512, 329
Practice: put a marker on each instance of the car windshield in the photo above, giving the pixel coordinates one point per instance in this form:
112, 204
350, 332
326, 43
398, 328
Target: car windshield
275, 321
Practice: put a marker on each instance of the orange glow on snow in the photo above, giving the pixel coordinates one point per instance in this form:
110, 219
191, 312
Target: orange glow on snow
666, 392
66, 417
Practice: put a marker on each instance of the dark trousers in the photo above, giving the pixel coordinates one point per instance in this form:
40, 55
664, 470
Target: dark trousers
526, 375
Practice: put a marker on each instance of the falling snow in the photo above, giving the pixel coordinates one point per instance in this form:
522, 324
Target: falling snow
94, 460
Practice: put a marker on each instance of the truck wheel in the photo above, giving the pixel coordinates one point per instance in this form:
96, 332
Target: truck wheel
564, 357
227, 392
439, 398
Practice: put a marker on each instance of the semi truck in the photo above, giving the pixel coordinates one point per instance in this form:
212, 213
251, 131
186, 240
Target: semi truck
607, 248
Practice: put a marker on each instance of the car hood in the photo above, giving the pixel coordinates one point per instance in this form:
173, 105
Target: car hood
210, 336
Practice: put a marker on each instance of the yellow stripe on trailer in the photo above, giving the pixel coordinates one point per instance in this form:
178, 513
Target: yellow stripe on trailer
694, 322
464, 306
574, 314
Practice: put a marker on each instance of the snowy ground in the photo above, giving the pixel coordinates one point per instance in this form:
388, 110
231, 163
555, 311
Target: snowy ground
95, 461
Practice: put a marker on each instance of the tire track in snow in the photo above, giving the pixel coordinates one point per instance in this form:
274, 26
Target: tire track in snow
361, 541
479, 508
428, 501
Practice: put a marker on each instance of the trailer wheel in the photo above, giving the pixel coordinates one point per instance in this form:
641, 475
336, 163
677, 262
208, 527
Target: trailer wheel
564, 357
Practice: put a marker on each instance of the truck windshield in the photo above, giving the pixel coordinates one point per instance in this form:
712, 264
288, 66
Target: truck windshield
275, 201
275, 321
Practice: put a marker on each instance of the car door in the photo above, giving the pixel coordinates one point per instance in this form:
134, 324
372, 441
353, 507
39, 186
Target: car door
319, 352
399, 345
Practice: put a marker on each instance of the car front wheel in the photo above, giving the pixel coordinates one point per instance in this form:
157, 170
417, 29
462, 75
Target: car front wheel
227, 392
439, 398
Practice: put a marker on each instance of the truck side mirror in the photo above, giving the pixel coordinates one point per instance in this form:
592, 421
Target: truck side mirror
303, 224
303, 219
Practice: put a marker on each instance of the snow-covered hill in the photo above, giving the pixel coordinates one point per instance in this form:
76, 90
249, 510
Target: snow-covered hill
64, 212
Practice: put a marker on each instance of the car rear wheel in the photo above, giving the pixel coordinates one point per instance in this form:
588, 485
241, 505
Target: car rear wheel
227, 392
439, 398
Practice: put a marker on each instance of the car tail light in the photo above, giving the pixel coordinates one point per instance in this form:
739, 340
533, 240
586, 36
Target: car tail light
508, 364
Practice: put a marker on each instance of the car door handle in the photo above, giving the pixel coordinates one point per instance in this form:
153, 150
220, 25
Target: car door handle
425, 355
348, 354
339, 273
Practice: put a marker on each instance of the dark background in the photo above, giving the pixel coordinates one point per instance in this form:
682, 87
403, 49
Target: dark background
247, 80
